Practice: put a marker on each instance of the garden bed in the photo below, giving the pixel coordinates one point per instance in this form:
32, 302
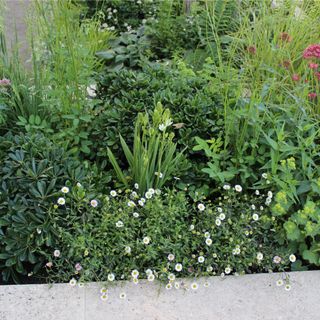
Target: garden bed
249, 297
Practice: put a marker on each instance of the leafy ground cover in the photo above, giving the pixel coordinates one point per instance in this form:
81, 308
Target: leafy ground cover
159, 140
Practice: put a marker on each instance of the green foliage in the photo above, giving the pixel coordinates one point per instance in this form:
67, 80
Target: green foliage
129, 50
153, 159
116, 238
33, 172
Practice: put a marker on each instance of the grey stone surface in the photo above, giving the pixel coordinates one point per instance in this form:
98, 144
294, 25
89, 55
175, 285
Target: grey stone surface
16, 12
247, 297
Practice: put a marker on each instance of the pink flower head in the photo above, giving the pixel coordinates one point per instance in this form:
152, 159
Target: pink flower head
5, 82
78, 266
284, 36
312, 95
276, 259
295, 77
49, 264
313, 51
252, 49
313, 65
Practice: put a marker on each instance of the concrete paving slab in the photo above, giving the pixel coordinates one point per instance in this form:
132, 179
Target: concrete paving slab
246, 297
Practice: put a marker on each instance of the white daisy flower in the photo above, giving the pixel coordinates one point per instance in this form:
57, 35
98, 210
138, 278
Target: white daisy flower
61, 201
209, 269
146, 240
255, 217
150, 277
253, 207
170, 257
218, 222
171, 277
151, 190
238, 188
191, 227
178, 267
158, 192
194, 286
287, 287
279, 282
122, 295
201, 207
103, 290
135, 215
135, 273
141, 203
257, 192
135, 281
79, 185
148, 272
113, 193
127, 249
148, 195
104, 297
219, 210
169, 286
73, 282
214, 255
134, 195
208, 241
276, 259
226, 187
177, 285
227, 270
207, 234
292, 258
259, 256
94, 203
201, 259
111, 276
65, 190
264, 175
91, 90
270, 195
119, 224
136, 186
222, 216
56, 253
131, 204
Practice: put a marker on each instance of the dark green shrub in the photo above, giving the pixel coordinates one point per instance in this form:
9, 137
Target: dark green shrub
32, 174
195, 109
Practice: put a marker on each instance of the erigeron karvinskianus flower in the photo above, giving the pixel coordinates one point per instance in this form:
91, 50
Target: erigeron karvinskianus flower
226, 187
135, 215
94, 203
238, 188
201, 259
135, 273
146, 240
150, 277
218, 222
255, 217
131, 204
127, 249
119, 224
201, 207
222, 216
113, 193
208, 242
122, 295
78, 267
227, 270
171, 277
178, 267
170, 257
61, 201
111, 276
56, 253
259, 256
279, 282
276, 259
292, 258
73, 282
194, 286
65, 190
103, 290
